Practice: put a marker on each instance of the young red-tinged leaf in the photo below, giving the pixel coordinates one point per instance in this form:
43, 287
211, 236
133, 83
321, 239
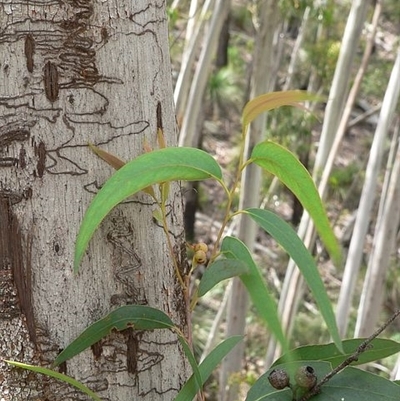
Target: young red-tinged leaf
273, 100
112, 160
280, 162
161, 139
116, 163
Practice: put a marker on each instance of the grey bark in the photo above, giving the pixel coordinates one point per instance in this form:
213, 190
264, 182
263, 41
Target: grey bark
73, 73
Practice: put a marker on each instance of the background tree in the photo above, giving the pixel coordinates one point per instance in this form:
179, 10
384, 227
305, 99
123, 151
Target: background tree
74, 73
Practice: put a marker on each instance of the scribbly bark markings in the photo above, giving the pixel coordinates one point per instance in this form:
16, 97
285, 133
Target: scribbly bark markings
10, 135
126, 263
59, 58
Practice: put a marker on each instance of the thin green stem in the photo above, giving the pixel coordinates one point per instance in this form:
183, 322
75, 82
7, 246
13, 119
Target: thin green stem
231, 193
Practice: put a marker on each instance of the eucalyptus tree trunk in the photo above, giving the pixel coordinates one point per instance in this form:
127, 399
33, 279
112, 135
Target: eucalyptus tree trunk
341, 78
74, 73
194, 32
368, 195
370, 306
189, 135
267, 21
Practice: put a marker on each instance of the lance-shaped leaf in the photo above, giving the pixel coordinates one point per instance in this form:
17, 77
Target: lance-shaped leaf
273, 100
284, 234
218, 271
349, 384
139, 317
233, 248
379, 348
169, 164
282, 163
57, 375
211, 361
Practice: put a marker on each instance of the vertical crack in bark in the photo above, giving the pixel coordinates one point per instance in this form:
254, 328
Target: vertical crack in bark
13, 273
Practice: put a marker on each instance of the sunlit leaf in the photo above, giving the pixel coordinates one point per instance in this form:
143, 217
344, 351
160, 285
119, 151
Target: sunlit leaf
379, 348
169, 164
220, 270
190, 388
57, 375
273, 100
233, 248
280, 162
284, 234
139, 317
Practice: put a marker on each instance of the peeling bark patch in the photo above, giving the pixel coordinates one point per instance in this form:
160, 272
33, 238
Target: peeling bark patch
12, 133
40, 151
15, 278
97, 349
29, 52
51, 87
22, 159
132, 347
159, 117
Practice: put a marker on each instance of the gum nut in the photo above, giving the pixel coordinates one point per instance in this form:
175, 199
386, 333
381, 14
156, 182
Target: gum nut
278, 379
305, 377
201, 246
200, 257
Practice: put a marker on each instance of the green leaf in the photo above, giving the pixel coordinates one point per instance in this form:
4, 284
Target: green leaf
282, 163
350, 384
189, 390
220, 270
192, 361
262, 389
358, 385
139, 317
380, 348
273, 100
233, 248
289, 240
169, 164
57, 375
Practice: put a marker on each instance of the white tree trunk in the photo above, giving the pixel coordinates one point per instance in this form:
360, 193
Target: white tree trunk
72, 73
372, 296
339, 88
368, 194
189, 135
